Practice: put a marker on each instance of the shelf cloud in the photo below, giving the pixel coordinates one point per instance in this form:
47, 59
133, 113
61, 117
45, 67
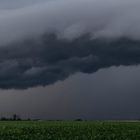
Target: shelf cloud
48, 60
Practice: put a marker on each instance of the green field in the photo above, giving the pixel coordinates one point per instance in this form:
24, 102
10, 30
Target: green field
51, 130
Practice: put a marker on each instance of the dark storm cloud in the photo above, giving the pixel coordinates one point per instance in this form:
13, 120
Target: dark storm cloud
48, 41
45, 61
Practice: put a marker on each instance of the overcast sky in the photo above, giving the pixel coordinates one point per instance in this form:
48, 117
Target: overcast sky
69, 19
68, 59
16, 4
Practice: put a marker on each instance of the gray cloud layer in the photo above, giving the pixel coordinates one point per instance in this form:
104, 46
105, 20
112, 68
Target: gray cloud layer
71, 19
16, 4
46, 42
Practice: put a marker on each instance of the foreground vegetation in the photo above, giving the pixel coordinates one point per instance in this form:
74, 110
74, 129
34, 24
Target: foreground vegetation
62, 130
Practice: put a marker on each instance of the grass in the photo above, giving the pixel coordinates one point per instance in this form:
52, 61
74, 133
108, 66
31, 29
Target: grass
66, 130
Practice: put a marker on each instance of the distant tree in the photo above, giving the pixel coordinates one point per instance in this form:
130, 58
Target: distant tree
16, 117
78, 120
3, 119
28, 119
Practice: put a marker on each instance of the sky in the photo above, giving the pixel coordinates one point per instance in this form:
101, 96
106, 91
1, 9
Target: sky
70, 59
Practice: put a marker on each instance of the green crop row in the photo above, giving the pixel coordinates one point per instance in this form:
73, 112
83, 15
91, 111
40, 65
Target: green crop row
64, 130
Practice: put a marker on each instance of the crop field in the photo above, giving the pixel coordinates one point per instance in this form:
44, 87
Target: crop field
64, 130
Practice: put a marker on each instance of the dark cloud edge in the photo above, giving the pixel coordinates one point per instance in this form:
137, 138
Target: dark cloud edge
46, 60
